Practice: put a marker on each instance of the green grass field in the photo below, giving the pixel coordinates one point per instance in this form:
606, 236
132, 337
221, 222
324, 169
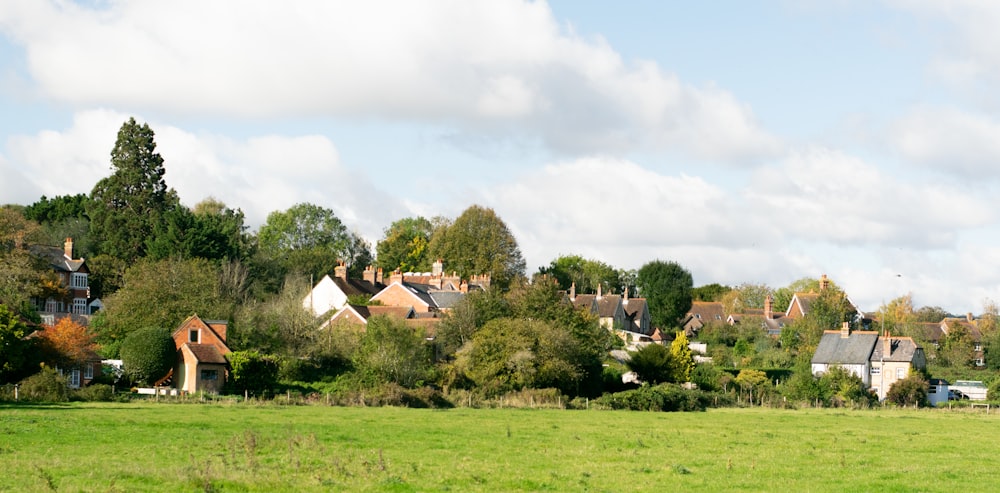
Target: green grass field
199, 447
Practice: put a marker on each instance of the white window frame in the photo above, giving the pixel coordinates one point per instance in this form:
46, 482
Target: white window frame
74, 378
88, 371
900, 373
78, 280
80, 306
51, 305
876, 370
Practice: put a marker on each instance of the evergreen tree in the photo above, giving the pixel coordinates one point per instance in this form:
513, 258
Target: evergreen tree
125, 207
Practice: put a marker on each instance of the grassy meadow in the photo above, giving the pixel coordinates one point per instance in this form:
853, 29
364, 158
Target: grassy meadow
213, 447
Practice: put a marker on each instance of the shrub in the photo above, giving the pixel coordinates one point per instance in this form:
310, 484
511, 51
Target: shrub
252, 372
908, 392
148, 354
97, 392
45, 386
665, 397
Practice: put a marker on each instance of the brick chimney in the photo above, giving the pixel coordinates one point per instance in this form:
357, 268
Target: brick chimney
396, 276
768, 307
369, 274
572, 291
845, 330
437, 268
599, 291
378, 276
340, 270
68, 248
464, 287
625, 297
824, 282
969, 318
886, 345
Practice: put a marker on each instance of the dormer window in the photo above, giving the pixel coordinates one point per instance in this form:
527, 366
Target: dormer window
193, 336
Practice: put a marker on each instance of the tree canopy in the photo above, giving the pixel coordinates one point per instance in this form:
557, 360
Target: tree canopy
125, 208
405, 244
585, 273
479, 242
667, 289
310, 239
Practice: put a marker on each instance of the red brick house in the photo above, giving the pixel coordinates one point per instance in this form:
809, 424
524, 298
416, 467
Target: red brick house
201, 348
72, 273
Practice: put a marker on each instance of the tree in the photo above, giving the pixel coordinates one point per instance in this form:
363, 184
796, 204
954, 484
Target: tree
391, 351
843, 388
125, 208
467, 316
309, 239
58, 208
752, 382
586, 274
212, 231
14, 348
148, 354
667, 289
930, 314
748, 296
653, 364
710, 292
404, 245
67, 343
160, 294
683, 357
479, 242
510, 354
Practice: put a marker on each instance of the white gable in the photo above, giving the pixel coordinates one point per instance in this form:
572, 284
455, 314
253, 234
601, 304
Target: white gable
325, 296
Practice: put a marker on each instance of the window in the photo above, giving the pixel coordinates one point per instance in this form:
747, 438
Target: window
210, 374
697, 315
48, 319
52, 305
979, 347
193, 336
74, 379
88, 372
980, 362
876, 371
900, 373
80, 306
78, 280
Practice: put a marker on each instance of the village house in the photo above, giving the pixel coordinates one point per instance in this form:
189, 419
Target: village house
201, 363
333, 293
879, 360
70, 297
628, 318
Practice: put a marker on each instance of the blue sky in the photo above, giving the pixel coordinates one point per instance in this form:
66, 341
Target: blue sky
750, 141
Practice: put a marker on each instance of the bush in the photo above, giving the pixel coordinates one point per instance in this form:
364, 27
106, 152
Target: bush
664, 397
252, 372
148, 354
44, 386
96, 392
908, 392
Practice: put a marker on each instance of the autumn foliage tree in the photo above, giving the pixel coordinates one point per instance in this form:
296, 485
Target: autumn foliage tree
67, 343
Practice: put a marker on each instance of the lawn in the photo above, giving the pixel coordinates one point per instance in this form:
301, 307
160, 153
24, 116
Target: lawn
212, 447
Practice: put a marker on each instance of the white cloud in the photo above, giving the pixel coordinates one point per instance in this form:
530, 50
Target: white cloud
258, 175
505, 65
969, 55
949, 139
825, 195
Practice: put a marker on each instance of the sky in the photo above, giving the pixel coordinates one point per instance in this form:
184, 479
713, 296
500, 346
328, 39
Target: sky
751, 142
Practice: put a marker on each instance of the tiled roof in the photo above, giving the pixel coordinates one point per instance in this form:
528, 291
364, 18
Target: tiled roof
707, 311
56, 257
354, 287
903, 349
856, 349
607, 305
206, 353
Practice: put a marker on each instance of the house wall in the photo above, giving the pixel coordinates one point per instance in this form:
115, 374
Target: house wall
888, 375
325, 296
862, 371
398, 295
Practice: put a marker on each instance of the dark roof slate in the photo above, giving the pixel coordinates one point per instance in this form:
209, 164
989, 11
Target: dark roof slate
856, 349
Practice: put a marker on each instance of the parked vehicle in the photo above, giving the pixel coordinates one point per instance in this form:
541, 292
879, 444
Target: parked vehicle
957, 395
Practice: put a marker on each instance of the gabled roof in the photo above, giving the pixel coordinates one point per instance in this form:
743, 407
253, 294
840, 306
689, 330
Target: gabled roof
835, 349
608, 305
355, 287
903, 350
57, 259
800, 303
969, 325
706, 311
585, 302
